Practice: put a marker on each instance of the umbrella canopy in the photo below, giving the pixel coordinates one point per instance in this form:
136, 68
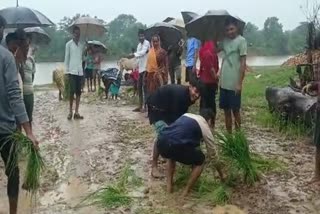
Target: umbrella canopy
212, 25
168, 19
89, 27
169, 34
188, 16
178, 23
38, 35
99, 44
22, 17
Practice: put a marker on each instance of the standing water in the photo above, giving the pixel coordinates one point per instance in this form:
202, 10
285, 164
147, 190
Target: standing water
44, 70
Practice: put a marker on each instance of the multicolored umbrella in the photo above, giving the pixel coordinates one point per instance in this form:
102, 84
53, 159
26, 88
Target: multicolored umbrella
23, 17
212, 25
89, 27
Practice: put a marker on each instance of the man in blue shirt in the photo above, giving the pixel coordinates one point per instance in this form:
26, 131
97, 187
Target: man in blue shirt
180, 142
193, 46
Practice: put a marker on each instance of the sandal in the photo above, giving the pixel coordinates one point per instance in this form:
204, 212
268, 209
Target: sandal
77, 116
69, 116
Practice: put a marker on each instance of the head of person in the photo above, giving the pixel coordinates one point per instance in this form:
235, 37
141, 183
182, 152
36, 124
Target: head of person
231, 27
195, 86
207, 114
155, 41
2, 27
76, 33
141, 35
18, 43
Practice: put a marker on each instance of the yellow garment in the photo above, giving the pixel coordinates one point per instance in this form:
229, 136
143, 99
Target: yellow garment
152, 64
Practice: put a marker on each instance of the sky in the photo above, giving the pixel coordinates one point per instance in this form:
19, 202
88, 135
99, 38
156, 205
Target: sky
148, 12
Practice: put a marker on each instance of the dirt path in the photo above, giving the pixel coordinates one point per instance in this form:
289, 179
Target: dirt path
83, 156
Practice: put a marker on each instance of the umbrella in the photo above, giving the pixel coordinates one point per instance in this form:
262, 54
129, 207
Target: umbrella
188, 16
178, 23
22, 17
212, 25
99, 44
38, 35
168, 19
169, 34
89, 27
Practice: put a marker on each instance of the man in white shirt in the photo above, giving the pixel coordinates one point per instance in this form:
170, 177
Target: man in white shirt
74, 70
141, 54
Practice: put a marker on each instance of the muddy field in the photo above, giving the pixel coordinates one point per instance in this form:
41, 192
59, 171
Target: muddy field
83, 156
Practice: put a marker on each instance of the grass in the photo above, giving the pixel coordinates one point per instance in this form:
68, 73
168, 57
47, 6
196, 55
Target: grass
116, 194
23, 148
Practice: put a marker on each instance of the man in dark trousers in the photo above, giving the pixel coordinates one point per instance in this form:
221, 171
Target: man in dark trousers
166, 105
12, 112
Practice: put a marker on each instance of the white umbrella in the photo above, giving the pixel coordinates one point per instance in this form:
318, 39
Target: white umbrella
89, 27
99, 44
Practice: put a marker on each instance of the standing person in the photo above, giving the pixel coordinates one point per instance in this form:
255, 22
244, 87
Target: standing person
157, 67
141, 54
193, 46
12, 111
73, 64
97, 68
174, 54
181, 141
209, 67
29, 72
234, 48
315, 86
165, 106
89, 67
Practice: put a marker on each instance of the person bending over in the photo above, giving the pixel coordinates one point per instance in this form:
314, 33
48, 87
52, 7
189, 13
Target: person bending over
180, 142
166, 105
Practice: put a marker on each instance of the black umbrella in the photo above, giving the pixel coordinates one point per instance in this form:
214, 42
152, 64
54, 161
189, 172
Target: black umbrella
22, 17
38, 35
188, 16
169, 35
212, 25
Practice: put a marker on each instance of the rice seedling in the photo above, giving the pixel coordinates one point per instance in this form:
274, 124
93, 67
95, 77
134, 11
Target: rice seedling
23, 147
235, 151
221, 194
116, 194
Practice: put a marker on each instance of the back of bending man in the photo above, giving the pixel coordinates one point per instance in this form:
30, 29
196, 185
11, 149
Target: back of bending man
181, 141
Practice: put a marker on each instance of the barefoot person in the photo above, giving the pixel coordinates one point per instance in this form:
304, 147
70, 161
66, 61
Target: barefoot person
73, 64
193, 46
141, 54
315, 86
12, 111
165, 106
234, 48
89, 68
174, 54
209, 67
181, 141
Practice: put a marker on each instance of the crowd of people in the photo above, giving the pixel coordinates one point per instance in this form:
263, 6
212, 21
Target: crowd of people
179, 133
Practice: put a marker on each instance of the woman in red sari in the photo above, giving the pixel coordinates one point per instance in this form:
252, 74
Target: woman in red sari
157, 67
209, 67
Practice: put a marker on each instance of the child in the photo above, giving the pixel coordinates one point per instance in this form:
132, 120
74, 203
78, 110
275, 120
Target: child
115, 86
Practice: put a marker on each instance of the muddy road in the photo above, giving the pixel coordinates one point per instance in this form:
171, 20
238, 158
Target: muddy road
83, 156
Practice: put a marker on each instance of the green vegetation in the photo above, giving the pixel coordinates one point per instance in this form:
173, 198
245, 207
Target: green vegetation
121, 37
116, 194
23, 148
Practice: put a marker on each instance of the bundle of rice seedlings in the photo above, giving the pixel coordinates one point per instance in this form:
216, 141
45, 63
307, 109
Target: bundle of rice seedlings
235, 149
23, 148
221, 194
114, 195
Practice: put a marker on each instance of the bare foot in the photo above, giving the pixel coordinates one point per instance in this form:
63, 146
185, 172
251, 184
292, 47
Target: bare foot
156, 173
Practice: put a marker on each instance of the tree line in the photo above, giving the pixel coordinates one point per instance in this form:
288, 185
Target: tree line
121, 38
